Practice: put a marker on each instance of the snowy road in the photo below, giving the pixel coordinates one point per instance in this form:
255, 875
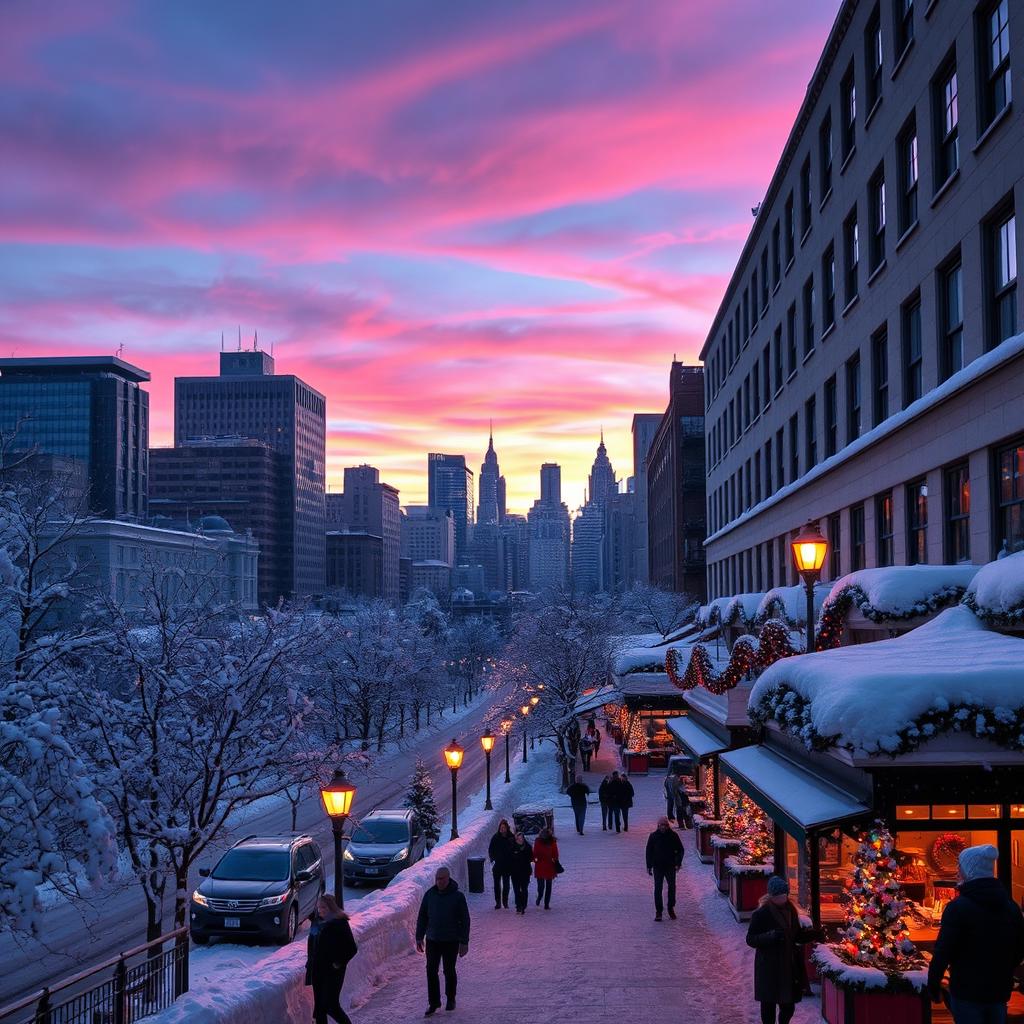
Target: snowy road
77, 935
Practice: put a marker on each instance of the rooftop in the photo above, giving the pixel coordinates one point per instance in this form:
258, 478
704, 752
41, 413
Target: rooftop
39, 366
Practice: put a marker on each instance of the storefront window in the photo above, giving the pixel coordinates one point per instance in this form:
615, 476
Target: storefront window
983, 811
913, 812
947, 812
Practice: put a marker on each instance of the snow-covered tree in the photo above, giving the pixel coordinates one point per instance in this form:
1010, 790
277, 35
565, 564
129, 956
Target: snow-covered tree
664, 611
420, 798
472, 646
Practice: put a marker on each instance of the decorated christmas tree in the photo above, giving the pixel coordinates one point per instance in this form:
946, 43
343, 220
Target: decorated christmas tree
708, 790
876, 934
734, 814
636, 737
757, 836
420, 799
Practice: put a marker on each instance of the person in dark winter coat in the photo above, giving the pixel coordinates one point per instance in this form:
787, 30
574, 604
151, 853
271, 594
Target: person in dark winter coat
605, 800
328, 950
671, 788
625, 794
616, 797
664, 859
586, 751
775, 934
522, 868
684, 810
545, 859
443, 922
578, 793
981, 941
500, 853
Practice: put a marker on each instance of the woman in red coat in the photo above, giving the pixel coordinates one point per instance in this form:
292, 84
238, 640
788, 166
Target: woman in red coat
545, 865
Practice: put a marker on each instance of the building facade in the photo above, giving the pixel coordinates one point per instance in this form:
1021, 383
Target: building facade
864, 369
645, 426
249, 399
355, 563
548, 521
450, 487
675, 487
428, 534
88, 408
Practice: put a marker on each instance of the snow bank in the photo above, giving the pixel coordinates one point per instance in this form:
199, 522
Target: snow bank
996, 594
639, 659
903, 591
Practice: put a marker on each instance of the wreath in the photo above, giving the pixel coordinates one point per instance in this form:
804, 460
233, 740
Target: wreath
946, 851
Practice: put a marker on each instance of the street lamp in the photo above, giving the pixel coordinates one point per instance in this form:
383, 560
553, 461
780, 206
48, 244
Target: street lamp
453, 758
525, 709
487, 742
506, 728
809, 550
337, 796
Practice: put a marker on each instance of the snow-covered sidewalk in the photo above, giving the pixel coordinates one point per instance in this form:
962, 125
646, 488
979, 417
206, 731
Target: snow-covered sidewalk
598, 955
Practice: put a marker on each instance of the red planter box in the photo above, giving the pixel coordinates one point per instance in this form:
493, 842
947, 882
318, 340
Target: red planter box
720, 853
744, 893
842, 1006
702, 839
637, 764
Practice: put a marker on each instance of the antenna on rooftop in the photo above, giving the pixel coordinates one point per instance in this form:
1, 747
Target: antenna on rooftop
239, 337
222, 341
120, 350
255, 340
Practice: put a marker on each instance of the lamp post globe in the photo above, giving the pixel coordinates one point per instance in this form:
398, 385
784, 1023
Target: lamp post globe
487, 742
453, 755
809, 551
338, 796
525, 709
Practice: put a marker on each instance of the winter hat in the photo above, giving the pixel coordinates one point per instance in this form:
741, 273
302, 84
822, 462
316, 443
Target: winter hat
778, 886
978, 862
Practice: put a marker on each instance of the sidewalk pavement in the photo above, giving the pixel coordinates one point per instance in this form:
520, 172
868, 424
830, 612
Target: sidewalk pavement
597, 955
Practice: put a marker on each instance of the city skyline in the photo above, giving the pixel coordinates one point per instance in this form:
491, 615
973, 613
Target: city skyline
514, 216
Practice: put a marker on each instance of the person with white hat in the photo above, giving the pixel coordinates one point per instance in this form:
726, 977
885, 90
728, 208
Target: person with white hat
981, 942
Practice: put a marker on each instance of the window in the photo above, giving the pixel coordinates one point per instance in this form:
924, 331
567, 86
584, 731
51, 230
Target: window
757, 479
904, 19
805, 197
790, 227
1010, 503
746, 319
958, 514
828, 290
907, 147
876, 206
1002, 274
917, 523
853, 414
755, 387
912, 356
766, 373
831, 417
994, 40
764, 280
825, 156
794, 449
884, 528
769, 566
848, 114
851, 258
873, 59
951, 319
811, 432
857, 537
791, 337
777, 352
947, 123
780, 467
835, 534
776, 255
753, 302
746, 402
809, 315
768, 489
879, 376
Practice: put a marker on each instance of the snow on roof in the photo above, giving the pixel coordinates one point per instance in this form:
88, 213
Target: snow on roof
891, 695
729, 609
790, 604
697, 740
647, 684
903, 591
638, 659
996, 594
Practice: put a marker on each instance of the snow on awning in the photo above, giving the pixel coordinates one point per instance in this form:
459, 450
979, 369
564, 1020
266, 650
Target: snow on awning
996, 593
698, 741
790, 795
597, 699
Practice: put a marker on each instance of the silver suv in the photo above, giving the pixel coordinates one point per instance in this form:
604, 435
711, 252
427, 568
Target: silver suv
382, 844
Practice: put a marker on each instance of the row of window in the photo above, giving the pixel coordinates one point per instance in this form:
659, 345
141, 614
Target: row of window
992, 33
770, 564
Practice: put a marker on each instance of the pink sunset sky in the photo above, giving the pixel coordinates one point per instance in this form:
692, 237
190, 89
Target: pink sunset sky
438, 213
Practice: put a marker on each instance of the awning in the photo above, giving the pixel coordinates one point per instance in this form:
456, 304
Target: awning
698, 741
601, 696
790, 795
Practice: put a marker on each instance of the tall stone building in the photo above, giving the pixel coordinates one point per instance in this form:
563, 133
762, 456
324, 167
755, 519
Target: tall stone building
549, 533
645, 426
588, 528
450, 487
488, 546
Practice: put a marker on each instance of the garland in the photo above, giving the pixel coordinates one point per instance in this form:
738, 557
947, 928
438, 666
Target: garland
676, 676
1011, 618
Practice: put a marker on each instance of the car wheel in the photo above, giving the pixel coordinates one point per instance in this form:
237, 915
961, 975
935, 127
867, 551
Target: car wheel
293, 925
200, 940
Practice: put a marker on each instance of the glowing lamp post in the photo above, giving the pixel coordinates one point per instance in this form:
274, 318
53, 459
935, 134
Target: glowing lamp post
487, 742
337, 797
453, 754
809, 550
506, 728
525, 709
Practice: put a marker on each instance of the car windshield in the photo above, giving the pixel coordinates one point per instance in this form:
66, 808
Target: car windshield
380, 830
250, 865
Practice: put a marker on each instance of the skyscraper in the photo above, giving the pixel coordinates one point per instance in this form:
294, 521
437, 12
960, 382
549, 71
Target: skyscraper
588, 527
549, 533
250, 400
645, 426
90, 409
450, 486
490, 509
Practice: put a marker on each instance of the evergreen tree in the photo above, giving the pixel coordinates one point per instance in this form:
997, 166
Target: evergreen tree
757, 836
420, 799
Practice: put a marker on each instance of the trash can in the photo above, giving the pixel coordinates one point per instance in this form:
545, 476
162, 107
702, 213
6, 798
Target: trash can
475, 868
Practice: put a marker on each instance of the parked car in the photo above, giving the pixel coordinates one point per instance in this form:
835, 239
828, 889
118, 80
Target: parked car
263, 887
382, 844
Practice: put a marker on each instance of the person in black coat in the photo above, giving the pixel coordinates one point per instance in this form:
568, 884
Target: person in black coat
981, 941
500, 851
604, 798
522, 869
775, 934
578, 793
443, 922
626, 794
664, 859
328, 950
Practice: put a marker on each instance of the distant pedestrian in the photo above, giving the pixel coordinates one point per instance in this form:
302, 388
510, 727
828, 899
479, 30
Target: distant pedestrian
578, 793
664, 859
500, 853
546, 865
671, 788
684, 809
775, 934
522, 868
328, 950
626, 794
596, 737
981, 941
616, 794
586, 751
605, 801
443, 922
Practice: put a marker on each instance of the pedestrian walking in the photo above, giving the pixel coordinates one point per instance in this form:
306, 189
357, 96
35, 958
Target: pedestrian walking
443, 923
671, 788
499, 850
616, 794
605, 801
586, 751
578, 793
664, 859
546, 865
774, 933
684, 809
626, 794
329, 948
522, 868
981, 941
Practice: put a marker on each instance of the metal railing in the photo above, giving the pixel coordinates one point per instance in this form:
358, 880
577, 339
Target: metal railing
141, 982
